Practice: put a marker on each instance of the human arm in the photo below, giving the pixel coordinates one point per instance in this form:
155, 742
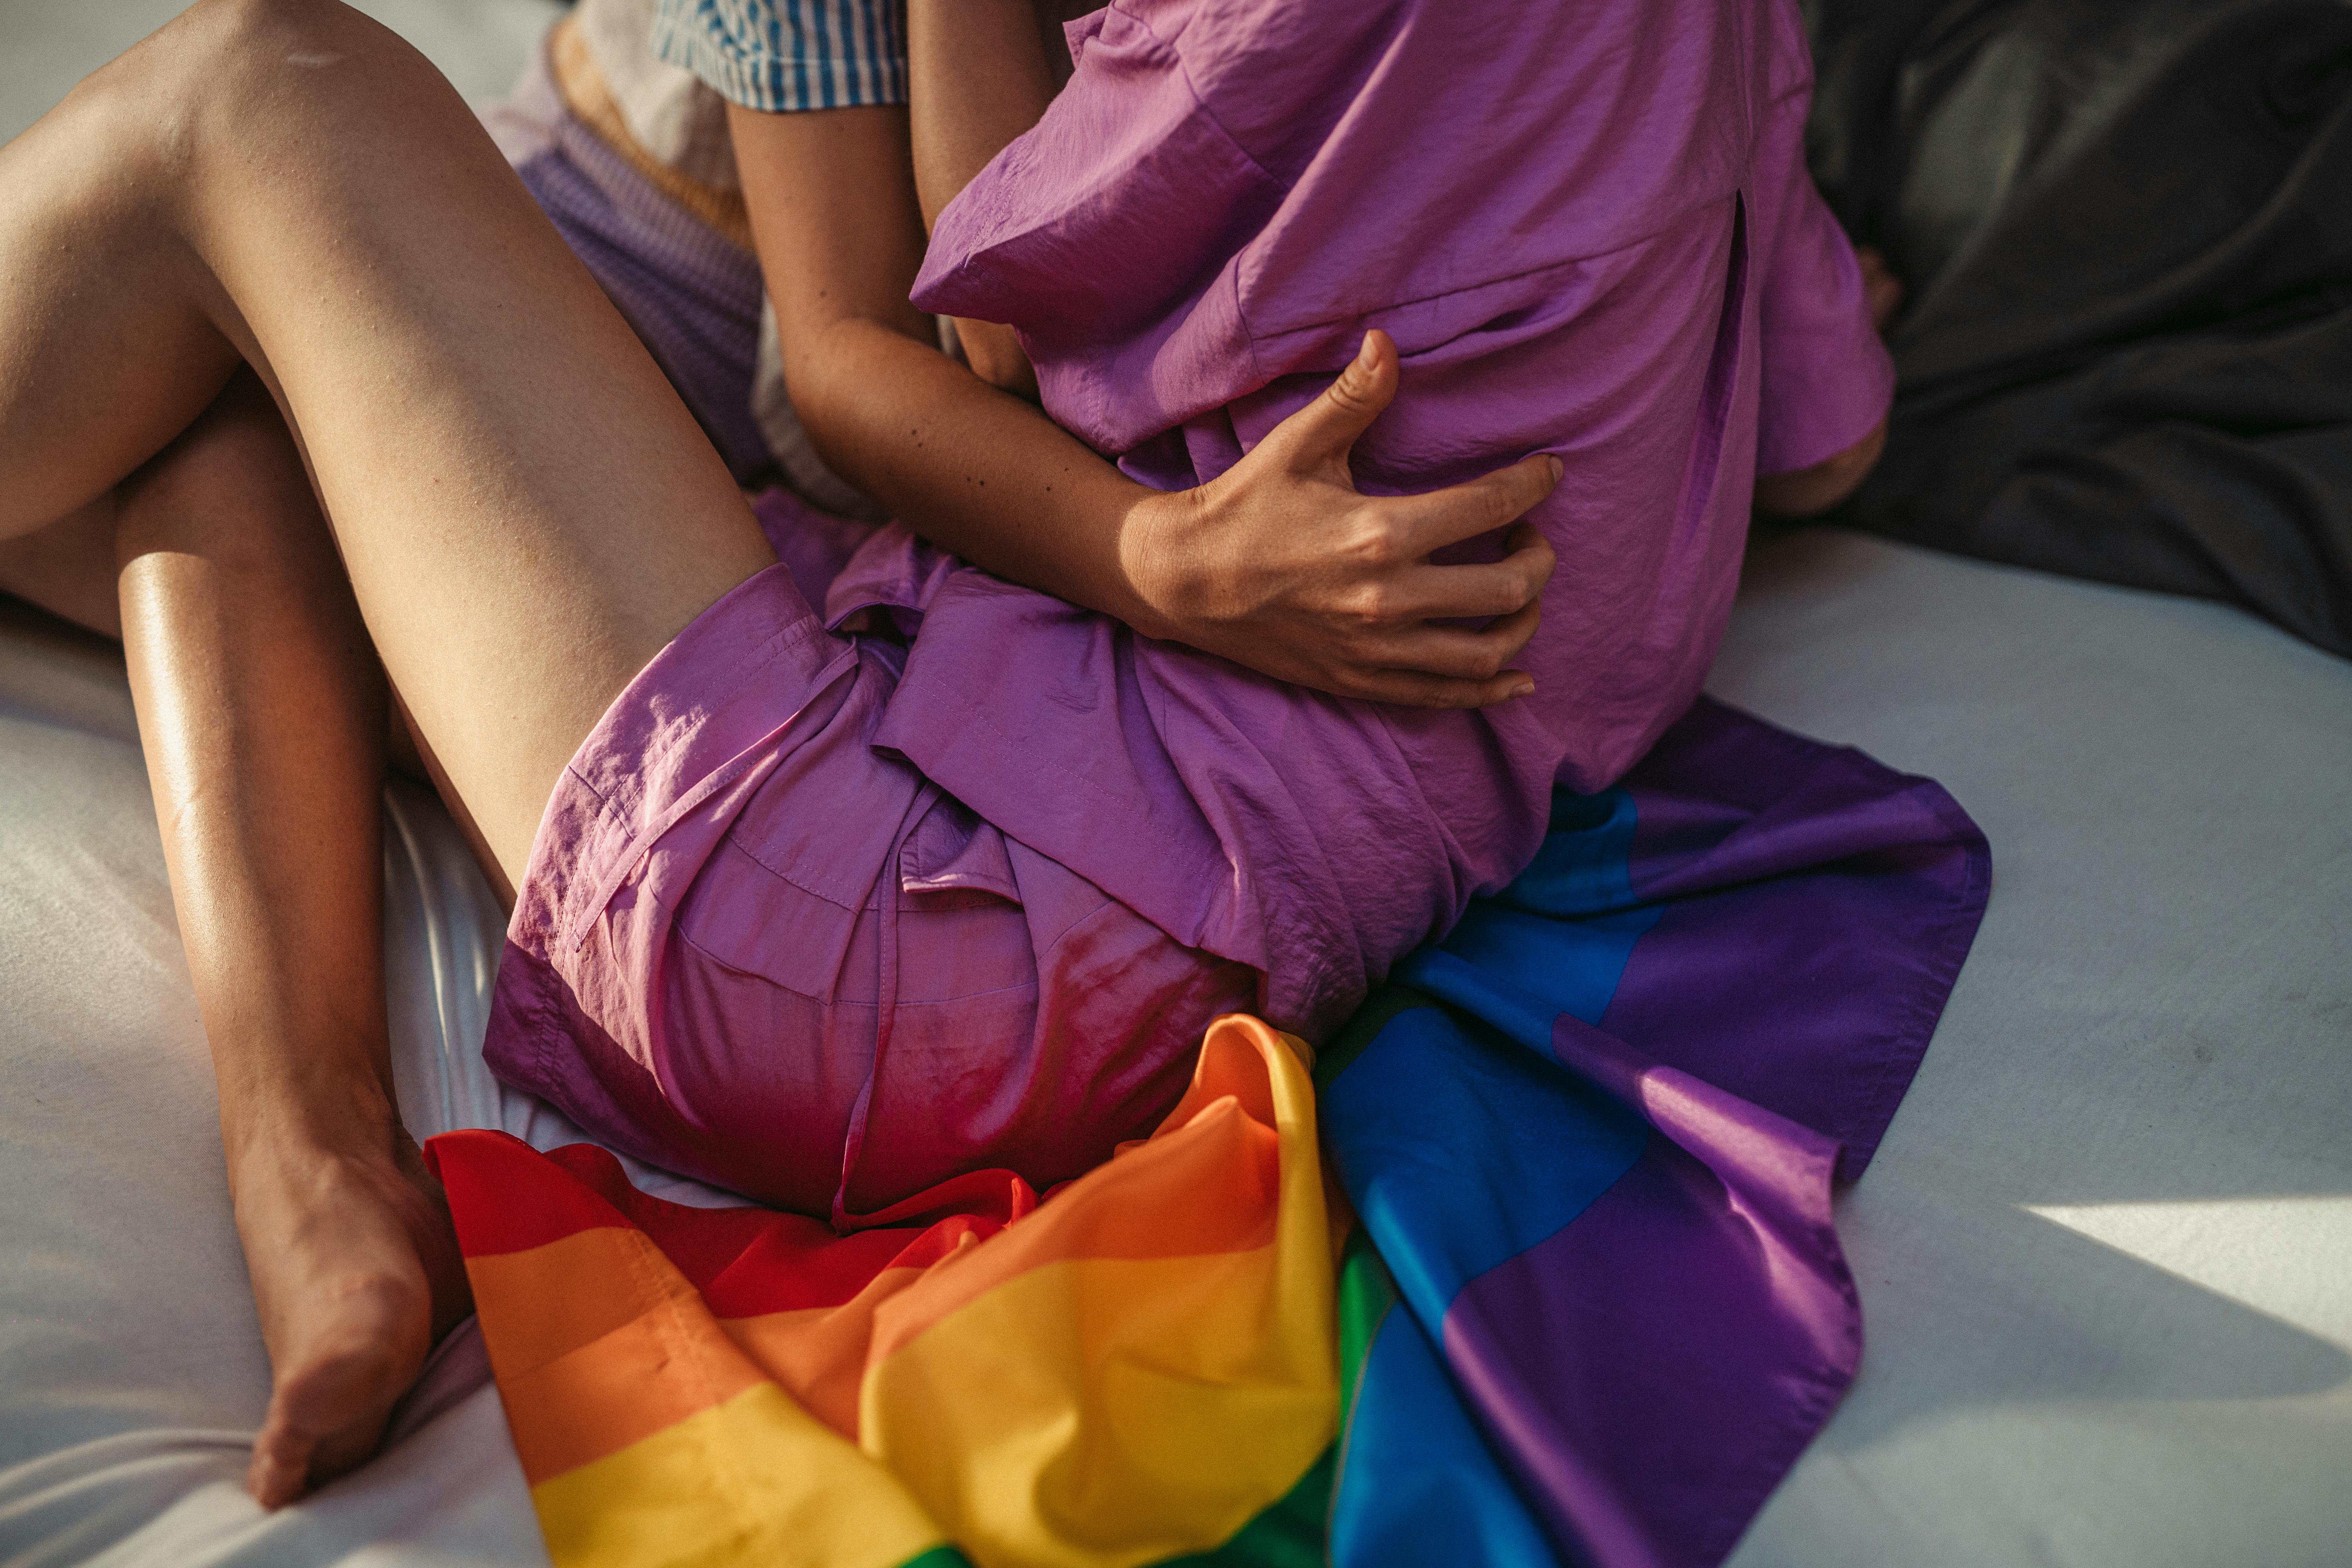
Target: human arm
980, 72
1812, 490
1279, 564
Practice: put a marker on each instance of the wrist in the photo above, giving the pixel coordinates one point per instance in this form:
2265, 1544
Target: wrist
1155, 561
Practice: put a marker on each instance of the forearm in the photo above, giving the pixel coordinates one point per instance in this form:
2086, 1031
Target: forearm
834, 215
981, 73
972, 469
978, 76
1278, 563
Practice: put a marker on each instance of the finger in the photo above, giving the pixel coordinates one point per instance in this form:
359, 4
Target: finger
1322, 433
280, 1471
1440, 518
1426, 593
1418, 688
1457, 652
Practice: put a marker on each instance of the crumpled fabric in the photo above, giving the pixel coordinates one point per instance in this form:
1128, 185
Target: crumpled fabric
1588, 228
2127, 233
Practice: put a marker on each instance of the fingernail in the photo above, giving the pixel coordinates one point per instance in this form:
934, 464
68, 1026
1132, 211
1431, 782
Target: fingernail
1524, 688
1557, 468
1364, 354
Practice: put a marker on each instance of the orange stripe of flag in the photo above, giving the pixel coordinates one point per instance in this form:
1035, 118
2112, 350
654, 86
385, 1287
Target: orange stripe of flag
1207, 1187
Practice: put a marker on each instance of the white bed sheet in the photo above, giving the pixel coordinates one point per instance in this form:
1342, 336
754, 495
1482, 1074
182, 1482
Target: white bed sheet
131, 1373
2105, 1251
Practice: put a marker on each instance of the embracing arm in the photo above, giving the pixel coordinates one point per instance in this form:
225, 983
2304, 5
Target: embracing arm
832, 201
1278, 564
980, 72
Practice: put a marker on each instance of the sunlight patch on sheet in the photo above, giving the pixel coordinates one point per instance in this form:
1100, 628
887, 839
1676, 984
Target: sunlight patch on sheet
2288, 1256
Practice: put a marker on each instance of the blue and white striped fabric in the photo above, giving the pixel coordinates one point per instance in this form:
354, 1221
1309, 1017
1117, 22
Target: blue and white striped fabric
781, 55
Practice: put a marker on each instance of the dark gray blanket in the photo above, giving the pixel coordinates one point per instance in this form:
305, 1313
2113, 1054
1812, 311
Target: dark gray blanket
2125, 226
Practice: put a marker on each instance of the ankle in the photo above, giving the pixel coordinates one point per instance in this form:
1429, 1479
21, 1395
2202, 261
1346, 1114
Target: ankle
360, 1123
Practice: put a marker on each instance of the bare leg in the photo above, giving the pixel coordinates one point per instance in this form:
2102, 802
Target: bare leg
526, 512
263, 716
68, 568
262, 712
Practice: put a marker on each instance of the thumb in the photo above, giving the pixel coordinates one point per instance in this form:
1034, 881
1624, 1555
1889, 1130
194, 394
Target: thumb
1323, 430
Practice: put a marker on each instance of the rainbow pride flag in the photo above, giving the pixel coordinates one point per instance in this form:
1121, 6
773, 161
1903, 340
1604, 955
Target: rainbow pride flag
1129, 1375
1574, 1296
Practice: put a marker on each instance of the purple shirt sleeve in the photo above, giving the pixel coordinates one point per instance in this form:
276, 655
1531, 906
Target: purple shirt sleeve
1827, 376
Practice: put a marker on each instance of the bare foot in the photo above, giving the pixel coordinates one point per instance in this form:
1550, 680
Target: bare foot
1880, 286
357, 1275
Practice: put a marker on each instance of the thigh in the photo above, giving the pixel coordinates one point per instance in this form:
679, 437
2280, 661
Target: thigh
526, 510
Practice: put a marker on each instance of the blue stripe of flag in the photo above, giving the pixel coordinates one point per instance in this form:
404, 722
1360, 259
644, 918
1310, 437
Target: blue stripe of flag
1461, 1142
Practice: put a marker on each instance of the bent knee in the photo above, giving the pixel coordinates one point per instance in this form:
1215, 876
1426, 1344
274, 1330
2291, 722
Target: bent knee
234, 39
234, 480
227, 66
68, 568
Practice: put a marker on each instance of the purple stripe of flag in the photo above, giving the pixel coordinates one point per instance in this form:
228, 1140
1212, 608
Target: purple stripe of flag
1698, 1323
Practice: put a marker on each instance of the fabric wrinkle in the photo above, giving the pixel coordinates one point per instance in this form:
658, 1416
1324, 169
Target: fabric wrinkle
1090, 838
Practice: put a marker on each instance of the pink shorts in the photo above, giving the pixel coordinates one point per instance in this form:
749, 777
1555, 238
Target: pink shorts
753, 948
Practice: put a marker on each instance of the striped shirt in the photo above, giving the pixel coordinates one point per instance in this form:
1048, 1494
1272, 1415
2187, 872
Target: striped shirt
780, 55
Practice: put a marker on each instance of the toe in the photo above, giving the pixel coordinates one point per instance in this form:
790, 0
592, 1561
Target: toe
280, 1469
329, 1407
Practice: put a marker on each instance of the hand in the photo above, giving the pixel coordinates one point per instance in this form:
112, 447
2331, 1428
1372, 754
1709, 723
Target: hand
1281, 565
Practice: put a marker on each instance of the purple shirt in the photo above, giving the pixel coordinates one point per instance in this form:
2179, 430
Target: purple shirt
1589, 229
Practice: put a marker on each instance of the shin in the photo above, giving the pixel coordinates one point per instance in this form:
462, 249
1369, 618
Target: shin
262, 712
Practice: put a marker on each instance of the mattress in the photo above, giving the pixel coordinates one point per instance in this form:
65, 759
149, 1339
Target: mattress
2104, 1252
